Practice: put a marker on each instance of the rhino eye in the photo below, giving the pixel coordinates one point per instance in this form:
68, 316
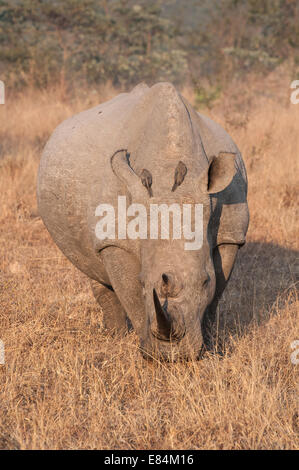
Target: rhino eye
146, 179
179, 175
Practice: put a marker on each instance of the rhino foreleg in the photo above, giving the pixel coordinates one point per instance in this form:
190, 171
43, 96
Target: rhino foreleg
114, 316
224, 259
123, 270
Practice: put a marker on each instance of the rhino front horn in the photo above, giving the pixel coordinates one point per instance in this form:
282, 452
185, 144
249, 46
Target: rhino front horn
167, 328
163, 320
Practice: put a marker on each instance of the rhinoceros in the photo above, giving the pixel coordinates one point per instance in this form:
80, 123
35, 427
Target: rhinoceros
150, 147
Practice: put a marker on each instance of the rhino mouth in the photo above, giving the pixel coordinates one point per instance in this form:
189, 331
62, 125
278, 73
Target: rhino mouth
169, 351
169, 337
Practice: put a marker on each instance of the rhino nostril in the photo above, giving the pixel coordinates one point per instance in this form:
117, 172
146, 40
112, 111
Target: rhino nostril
166, 285
170, 285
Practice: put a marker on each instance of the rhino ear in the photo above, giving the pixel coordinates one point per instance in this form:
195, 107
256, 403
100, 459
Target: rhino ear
221, 171
121, 168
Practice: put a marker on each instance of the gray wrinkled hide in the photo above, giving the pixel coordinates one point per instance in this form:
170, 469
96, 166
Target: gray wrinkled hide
158, 128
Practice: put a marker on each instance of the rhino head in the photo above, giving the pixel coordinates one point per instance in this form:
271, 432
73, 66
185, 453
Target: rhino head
178, 284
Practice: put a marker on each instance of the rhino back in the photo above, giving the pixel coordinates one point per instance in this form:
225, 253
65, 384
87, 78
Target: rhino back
75, 176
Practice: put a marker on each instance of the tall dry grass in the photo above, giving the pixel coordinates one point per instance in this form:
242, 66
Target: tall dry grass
65, 384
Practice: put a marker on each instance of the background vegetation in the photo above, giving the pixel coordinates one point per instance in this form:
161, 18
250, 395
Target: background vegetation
203, 42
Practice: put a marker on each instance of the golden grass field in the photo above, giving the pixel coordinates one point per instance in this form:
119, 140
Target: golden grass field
65, 384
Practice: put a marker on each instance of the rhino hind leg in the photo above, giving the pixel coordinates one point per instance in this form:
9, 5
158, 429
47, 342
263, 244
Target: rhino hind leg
114, 317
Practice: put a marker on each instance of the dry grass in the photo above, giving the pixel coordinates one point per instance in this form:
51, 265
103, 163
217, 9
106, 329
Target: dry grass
67, 385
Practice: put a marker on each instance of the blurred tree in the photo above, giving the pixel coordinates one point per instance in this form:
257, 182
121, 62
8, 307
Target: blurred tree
269, 34
94, 39
127, 41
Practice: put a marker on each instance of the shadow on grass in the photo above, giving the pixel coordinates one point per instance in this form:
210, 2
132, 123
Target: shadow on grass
263, 277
